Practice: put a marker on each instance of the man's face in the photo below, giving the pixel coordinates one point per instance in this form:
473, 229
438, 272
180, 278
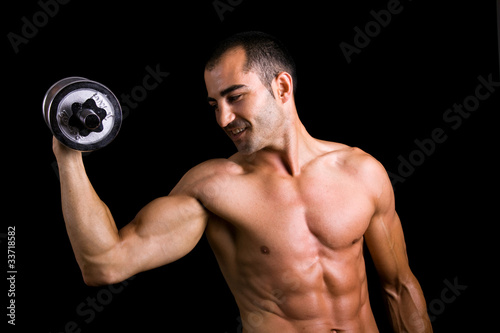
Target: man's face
244, 107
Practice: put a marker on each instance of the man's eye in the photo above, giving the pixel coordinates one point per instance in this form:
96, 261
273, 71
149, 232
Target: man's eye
234, 98
213, 106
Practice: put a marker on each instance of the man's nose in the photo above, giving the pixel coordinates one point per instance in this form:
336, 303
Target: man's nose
224, 116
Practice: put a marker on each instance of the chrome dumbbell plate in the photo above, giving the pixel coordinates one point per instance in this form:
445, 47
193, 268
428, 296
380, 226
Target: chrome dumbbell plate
82, 114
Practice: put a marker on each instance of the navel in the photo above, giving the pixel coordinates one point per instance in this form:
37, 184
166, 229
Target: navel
265, 250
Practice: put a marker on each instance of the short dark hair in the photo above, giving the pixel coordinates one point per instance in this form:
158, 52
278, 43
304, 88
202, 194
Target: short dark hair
265, 54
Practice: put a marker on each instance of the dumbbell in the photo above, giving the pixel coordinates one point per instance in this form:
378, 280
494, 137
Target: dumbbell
82, 114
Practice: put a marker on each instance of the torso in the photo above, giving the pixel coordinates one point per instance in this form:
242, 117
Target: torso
291, 248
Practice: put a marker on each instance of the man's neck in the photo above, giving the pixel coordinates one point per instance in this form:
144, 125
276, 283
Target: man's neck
295, 149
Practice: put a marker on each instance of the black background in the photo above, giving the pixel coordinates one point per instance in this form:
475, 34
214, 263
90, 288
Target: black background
395, 91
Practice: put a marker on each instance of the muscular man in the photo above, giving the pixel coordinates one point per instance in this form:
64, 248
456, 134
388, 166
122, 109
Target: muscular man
286, 216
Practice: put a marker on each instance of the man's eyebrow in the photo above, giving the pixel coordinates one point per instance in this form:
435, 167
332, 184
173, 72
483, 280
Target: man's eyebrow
227, 91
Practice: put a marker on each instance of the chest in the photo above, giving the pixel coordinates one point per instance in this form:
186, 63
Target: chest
285, 216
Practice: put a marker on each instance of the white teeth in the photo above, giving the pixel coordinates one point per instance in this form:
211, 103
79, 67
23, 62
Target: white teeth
238, 130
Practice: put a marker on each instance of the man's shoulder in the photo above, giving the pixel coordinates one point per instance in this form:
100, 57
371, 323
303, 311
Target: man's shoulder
356, 162
215, 165
205, 173
351, 157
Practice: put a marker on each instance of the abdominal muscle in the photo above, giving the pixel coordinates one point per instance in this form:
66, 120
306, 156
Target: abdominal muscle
320, 295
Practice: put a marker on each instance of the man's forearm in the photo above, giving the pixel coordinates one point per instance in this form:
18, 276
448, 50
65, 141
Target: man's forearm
89, 223
407, 308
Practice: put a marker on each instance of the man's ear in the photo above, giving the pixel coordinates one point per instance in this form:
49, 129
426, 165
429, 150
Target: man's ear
284, 86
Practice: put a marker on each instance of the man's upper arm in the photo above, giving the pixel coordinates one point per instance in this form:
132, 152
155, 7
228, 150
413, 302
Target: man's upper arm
384, 236
163, 231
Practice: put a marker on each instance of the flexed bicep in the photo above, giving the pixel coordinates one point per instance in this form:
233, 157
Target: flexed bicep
165, 230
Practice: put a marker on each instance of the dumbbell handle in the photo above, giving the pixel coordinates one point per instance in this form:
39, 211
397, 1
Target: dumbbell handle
89, 119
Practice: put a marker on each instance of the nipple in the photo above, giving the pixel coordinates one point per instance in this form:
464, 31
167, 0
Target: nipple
265, 250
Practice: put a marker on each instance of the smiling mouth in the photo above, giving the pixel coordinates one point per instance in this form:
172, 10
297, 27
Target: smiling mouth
236, 133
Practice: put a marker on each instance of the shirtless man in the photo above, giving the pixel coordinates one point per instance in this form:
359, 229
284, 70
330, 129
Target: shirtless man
286, 216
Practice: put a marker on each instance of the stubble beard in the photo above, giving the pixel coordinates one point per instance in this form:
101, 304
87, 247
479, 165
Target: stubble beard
264, 132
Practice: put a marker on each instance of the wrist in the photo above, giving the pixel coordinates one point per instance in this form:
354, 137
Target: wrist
66, 157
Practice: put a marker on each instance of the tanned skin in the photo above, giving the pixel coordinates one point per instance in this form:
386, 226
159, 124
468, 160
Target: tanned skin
286, 217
